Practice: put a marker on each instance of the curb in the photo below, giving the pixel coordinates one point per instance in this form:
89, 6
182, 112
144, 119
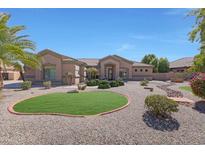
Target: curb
11, 110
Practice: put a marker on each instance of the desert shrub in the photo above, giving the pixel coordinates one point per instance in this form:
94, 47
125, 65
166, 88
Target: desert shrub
47, 84
198, 85
144, 82
82, 86
120, 82
114, 84
26, 85
92, 83
103, 84
160, 105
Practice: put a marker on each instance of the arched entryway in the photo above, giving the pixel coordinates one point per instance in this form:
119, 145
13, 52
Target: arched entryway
110, 71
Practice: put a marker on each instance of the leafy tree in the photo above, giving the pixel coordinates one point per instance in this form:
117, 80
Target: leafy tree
198, 32
198, 35
15, 48
152, 60
163, 65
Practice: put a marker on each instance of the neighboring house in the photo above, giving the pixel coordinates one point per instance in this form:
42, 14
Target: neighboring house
181, 65
57, 68
114, 67
9, 73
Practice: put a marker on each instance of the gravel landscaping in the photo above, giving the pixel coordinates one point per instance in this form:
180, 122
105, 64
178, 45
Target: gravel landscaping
131, 125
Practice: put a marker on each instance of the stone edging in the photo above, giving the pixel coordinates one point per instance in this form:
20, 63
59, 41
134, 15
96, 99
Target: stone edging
11, 110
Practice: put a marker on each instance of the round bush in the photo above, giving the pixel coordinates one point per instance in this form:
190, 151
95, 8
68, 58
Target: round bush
104, 85
198, 85
160, 105
47, 84
26, 85
144, 82
92, 83
120, 82
114, 84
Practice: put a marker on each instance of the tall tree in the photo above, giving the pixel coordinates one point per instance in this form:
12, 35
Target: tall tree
163, 65
15, 48
198, 32
152, 60
198, 35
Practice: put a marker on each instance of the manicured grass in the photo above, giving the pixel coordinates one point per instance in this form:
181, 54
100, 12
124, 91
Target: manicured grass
186, 88
85, 103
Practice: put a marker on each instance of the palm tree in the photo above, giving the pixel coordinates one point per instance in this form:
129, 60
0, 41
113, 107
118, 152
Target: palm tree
13, 48
92, 72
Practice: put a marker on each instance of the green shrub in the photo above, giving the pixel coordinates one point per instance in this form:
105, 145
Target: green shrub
114, 84
144, 82
92, 83
26, 85
81, 86
103, 84
47, 84
160, 105
120, 82
198, 85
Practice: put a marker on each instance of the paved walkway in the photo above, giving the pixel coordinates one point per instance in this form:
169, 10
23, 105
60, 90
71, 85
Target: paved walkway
132, 125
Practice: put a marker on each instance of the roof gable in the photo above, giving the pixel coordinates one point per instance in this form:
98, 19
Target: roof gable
183, 62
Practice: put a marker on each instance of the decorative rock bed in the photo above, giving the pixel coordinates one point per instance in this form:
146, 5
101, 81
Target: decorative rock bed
170, 92
176, 95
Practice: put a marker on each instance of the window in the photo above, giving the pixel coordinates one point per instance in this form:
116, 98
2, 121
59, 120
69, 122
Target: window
135, 70
49, 73
146, 70
141, 70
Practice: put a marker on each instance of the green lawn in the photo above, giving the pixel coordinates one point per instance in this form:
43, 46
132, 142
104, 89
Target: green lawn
85, 103
186, 88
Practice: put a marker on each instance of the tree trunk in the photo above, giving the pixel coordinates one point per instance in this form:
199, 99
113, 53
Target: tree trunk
22, 76
1, 79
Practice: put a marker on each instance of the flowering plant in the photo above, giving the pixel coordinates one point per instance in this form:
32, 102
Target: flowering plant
198, 84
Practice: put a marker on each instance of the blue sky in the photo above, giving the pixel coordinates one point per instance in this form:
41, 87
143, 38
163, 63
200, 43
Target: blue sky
95, 33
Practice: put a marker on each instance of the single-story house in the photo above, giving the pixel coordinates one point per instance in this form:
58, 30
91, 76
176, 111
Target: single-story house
66, 70
181, 65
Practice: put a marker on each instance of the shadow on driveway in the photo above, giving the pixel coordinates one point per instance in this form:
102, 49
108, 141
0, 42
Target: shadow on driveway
200, 106
162, 124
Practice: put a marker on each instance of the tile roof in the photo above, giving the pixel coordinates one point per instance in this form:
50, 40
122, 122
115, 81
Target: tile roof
90, 61
141, 64
183, 62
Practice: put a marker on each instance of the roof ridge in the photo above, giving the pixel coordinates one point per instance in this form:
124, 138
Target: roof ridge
181, 59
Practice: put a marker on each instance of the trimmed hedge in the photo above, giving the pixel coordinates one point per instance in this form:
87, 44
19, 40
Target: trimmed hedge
26, 85
198, 85
120, 82
160, 105
92, 83
114, 84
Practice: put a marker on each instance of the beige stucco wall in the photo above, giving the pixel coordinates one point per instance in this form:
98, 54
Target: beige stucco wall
128, 66
48, 59
13, 75
143, 73
109, 61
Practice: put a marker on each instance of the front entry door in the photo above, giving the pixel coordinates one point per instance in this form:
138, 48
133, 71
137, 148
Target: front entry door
110, 74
